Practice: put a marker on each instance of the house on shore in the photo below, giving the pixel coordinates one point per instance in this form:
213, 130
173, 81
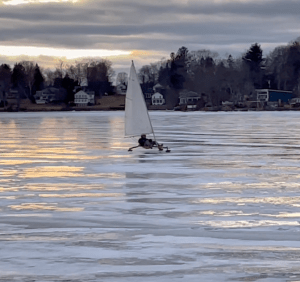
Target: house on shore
148, 96
2, 91
8, 96
121, 89
158, 99
12, 96
49, 95
189, 99
272, 97
295, 102
84, 98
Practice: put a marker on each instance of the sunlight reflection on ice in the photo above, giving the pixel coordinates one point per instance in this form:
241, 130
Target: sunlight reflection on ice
295, 200
43, 206
51, 187
223, 205
92, 195
247, 224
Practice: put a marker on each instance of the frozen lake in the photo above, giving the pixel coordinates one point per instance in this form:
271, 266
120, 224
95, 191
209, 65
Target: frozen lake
224, 205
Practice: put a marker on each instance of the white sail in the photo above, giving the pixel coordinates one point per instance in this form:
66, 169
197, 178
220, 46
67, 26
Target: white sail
137, 120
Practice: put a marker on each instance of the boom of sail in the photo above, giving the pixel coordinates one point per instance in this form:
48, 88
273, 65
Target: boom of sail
137, 120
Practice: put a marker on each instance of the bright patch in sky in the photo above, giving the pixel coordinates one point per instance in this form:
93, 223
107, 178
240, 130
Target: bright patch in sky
12, 51
22, 2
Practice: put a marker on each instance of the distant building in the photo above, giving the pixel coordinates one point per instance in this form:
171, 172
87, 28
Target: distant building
158, 99
295, 102
157, 95
83, 98
12, 96
2, 91
8, 95
121, 89
47, 95
158, 88
227, 103
188, 97
270, 95
40, 101
148, 95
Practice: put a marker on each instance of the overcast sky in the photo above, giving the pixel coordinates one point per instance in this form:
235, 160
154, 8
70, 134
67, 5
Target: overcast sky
144, 30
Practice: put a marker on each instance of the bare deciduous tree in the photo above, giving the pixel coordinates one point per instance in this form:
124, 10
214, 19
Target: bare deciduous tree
29, 68
122, 78
78, 72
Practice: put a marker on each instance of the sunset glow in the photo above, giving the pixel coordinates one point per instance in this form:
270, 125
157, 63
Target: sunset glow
12, 51
22, 2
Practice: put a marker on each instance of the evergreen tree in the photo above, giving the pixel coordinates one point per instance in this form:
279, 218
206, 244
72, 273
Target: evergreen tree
178, 71
18, 76
68, 84
5, 81
164, 75
230, 62
99, 76
38, 79
254, 60
18, 79
293, 66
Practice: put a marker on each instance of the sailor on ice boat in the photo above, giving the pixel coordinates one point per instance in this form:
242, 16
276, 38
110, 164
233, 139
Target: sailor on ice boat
137, 120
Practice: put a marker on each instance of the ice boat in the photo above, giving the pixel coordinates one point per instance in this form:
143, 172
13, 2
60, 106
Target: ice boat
137, 120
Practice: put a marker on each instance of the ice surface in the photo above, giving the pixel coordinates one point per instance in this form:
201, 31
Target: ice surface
224, 205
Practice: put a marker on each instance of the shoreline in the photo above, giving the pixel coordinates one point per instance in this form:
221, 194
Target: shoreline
112, 109
117, 103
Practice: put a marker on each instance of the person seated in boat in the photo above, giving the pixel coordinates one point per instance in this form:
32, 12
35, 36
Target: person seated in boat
146, 143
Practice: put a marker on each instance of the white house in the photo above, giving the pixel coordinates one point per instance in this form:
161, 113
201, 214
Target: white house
158, 99
40, 101
295, 101
121, 89
83, 98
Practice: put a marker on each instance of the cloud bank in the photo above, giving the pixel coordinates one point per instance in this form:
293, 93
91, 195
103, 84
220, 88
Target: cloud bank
153, 28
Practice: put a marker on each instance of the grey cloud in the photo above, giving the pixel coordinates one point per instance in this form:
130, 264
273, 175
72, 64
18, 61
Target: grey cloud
220, 31
61, 13
131, 24
255, 8
127, 11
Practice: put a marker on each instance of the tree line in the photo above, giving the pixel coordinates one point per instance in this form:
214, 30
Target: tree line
202, 71
225, 79
28, 77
